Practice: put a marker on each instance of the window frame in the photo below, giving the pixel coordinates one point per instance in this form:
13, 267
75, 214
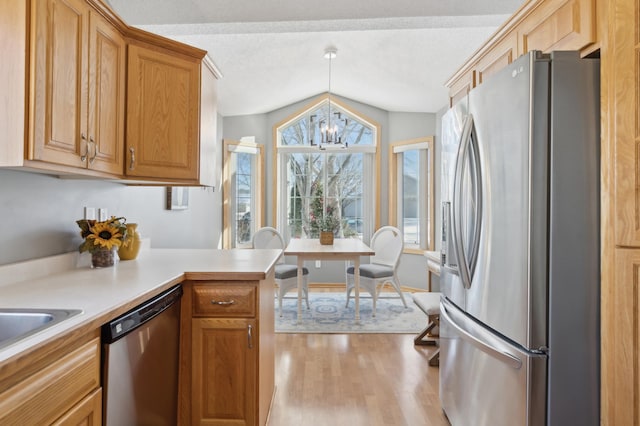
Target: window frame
424, 143
280, 205
257, 202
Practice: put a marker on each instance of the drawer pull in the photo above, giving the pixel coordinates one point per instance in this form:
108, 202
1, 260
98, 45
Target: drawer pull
216, 302
250, 336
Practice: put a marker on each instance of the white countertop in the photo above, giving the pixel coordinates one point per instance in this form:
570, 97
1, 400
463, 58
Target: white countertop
103, 294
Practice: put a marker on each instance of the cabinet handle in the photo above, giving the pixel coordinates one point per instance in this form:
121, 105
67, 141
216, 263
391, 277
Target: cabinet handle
83, 157
250, 336
219, 302
132, 150
95, 150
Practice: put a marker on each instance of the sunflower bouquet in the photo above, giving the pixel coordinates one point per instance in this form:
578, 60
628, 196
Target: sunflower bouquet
103, 235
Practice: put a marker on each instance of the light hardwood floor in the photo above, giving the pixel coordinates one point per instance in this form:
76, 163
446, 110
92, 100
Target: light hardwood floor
353, 380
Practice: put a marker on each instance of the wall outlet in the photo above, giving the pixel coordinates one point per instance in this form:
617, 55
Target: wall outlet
318, 263
90, 213
102, 214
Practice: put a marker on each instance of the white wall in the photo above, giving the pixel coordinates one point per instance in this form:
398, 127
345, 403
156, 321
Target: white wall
395, 126
38, 214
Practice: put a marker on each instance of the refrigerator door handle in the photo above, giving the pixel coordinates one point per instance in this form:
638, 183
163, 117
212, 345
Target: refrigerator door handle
480, 338
466, 267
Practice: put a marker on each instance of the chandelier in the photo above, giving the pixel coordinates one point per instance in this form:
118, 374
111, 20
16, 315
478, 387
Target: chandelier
330, 125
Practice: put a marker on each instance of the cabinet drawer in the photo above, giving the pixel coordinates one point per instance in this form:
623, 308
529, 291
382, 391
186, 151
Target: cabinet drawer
224, 301
44, 396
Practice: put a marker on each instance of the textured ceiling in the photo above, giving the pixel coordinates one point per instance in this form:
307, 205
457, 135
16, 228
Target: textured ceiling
395, 55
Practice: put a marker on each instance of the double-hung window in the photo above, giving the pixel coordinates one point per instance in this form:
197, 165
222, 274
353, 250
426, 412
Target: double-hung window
316, 180
411, 194
242, 192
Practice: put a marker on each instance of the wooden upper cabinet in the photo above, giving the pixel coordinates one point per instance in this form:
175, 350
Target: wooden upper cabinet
461, 86
501, 55
72, 70
60, 73
162, 115
622, 96
77, 62
559, 25
544, 25
106, 96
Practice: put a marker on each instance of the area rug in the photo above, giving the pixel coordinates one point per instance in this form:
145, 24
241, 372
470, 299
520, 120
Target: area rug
327, 314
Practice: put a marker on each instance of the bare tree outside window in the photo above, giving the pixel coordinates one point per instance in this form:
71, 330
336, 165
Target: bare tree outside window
325, 181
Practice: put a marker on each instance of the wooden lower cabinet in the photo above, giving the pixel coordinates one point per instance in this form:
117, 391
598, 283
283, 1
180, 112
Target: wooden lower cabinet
87, 412
224, 384
227, 352
66, 391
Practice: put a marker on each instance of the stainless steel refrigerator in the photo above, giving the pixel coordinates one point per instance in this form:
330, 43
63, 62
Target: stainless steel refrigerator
520, 273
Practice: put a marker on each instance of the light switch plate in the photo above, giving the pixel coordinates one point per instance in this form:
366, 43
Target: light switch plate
90, 213
102, 214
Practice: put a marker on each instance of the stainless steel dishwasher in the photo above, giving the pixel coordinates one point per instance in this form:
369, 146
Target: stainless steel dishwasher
140, 363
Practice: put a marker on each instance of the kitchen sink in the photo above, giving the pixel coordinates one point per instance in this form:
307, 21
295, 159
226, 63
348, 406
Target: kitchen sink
16, 324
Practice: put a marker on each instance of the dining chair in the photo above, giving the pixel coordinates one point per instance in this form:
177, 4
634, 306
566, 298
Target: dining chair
387, 243
286, 275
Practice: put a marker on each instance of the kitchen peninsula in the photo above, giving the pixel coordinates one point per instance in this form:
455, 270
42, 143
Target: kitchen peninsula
58, 369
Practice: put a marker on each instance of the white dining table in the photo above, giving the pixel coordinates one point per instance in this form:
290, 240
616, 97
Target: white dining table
341, 249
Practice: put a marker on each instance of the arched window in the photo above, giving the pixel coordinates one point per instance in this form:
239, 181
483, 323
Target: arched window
315, 179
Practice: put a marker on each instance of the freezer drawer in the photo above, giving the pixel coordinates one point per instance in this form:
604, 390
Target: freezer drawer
484, 379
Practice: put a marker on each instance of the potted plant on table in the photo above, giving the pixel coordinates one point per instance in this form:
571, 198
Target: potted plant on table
101, 239
329, 225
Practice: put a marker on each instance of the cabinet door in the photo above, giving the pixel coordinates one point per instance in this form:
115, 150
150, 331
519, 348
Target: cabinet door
59, 67
87, 412
559, 25
106, 97
460, 88
620, 344
620, 224
621, 96
54, 390
500, 55
224, 378
163, 103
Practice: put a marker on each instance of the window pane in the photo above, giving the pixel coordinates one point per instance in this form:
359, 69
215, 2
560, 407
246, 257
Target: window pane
313, 191
305, 130
243, 198
321, 180
411, 196
297, 133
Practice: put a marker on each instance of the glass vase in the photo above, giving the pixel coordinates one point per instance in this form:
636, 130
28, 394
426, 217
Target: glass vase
103, 258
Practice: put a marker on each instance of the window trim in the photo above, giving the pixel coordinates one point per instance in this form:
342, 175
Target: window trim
229, 147
277, 150
396, 148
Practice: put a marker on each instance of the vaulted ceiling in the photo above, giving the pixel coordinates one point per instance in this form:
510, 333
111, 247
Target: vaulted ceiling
394, 55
